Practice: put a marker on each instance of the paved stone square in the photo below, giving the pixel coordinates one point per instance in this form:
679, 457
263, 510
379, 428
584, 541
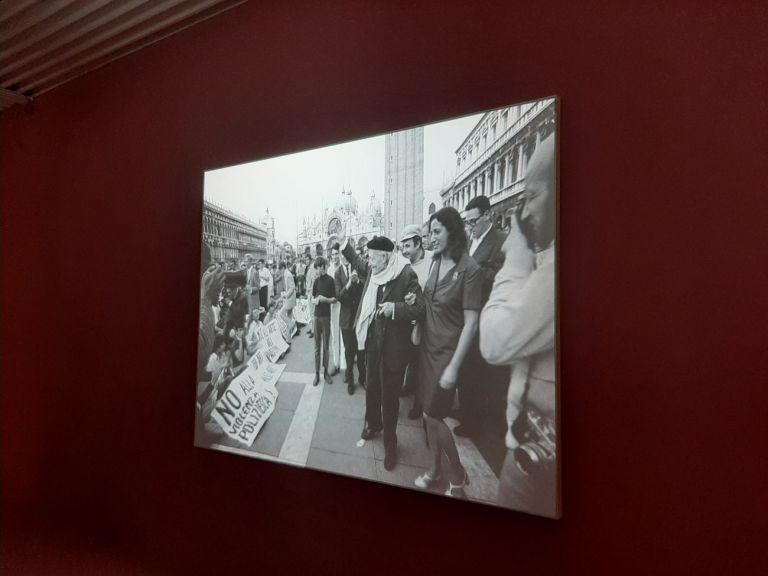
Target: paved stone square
319, 427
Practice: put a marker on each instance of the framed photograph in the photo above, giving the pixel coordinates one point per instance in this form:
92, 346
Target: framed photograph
386, 309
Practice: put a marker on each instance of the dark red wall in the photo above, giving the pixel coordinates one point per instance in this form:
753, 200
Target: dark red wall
664, 270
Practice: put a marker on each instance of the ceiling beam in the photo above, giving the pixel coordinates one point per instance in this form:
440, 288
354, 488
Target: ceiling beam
8, 98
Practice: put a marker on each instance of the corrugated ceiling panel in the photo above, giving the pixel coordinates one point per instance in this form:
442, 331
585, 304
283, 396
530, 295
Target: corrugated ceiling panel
44, 44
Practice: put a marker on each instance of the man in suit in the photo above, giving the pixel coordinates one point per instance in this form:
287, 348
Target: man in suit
349, 289
383, 330
482, 386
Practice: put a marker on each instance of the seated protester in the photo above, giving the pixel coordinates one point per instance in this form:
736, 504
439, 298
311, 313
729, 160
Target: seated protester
251, 338
274, 308
221, 319
219, 360
237, 346
238, 310
211, 284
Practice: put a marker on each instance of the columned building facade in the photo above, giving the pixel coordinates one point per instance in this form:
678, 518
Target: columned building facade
404, 180
231, 236
493, 158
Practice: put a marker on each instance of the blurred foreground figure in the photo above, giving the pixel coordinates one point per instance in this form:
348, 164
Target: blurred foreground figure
517, 328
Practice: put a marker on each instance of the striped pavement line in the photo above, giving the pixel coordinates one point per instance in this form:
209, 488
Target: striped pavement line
295, 449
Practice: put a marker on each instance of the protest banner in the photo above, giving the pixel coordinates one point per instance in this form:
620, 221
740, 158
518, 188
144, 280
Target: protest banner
261, 332
301, 311
259, 357
263, 342
248, 402
275, 336
273, 354
276, 341
273, 327
284, 330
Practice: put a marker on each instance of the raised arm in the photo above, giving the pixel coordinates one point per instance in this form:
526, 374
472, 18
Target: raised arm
342, 290
354, 260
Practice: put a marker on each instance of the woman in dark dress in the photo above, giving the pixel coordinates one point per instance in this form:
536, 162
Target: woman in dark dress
453, 296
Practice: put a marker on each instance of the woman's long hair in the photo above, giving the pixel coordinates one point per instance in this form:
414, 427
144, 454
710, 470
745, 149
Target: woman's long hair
450, 218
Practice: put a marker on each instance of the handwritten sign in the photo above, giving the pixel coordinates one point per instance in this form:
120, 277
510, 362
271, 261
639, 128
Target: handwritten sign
285, 331
248, 402
274, 338
260, 356
301, 311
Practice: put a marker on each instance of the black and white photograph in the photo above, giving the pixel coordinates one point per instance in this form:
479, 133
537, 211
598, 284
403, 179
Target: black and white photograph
386, 309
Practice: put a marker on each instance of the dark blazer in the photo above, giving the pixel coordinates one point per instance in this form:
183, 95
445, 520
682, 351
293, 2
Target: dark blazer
349, 298
490, 258
392, 338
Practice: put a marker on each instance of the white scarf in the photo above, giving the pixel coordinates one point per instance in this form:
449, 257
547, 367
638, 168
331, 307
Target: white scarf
368, 305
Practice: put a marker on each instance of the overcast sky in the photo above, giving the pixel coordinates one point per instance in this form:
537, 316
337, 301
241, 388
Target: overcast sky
297, 185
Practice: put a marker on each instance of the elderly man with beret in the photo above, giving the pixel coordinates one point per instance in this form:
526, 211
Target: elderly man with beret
383, 329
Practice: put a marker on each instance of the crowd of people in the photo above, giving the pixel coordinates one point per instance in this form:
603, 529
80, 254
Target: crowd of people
461, 318
234, 305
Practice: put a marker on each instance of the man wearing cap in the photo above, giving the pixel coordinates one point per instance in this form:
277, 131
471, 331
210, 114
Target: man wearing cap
383, 329
421, 260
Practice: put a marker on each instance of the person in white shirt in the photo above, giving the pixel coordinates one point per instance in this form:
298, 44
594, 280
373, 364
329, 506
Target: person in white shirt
338, 360
265, 282
252, 284
517, 329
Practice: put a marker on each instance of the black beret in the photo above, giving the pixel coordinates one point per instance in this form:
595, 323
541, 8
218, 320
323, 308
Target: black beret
381, 243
